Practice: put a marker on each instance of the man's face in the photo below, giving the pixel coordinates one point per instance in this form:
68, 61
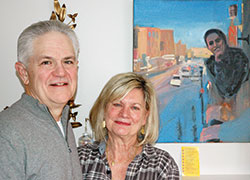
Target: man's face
52, 70
216, 45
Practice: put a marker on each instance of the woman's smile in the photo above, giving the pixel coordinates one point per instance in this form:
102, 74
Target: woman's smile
123, 123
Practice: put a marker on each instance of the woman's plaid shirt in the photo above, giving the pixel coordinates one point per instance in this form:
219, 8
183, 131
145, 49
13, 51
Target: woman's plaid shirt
151, 164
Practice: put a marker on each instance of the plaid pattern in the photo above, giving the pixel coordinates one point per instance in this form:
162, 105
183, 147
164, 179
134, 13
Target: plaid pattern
151, 164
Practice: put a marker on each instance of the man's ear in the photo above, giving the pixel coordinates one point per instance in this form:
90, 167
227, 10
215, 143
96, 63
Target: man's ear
22, 72
77, 63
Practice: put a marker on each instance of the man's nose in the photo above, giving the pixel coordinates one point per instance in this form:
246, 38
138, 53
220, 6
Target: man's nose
59, 70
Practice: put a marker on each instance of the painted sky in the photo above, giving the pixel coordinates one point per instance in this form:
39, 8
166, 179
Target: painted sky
189, 19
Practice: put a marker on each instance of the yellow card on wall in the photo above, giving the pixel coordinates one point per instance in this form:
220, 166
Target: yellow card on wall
190, 161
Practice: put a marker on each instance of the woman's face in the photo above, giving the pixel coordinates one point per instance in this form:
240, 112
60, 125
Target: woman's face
125, 117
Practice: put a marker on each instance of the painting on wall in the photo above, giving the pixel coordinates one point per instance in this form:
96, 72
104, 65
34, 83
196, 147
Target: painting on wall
192, 51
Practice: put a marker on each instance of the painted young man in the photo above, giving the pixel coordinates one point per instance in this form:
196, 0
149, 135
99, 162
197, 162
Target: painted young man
227, 71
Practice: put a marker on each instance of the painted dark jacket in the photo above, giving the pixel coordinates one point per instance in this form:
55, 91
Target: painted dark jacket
230, 73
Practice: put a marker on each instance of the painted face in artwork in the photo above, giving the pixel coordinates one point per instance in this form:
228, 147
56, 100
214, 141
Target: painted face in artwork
125, 117
216, 45
51, 76
233, 10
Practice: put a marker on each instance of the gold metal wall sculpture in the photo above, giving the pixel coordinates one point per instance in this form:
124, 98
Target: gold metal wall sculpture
59, 13
72, 115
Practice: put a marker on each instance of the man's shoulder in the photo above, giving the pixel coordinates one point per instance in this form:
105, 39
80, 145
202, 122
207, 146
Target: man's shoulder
209, 61
238, 55
233, 51
13, 117
16, 109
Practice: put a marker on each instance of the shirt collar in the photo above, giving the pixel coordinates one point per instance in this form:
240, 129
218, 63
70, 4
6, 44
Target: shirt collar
146, 150
34, 106
102, 147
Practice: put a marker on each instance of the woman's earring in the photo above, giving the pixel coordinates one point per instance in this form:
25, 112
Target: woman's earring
143, 130
103, 124
141, 134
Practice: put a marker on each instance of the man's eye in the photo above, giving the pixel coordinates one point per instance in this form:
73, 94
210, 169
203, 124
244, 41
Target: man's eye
69, 62
218, 40
211, 43
45, 63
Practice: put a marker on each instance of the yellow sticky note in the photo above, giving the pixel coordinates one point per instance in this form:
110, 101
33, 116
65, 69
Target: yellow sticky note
190, 161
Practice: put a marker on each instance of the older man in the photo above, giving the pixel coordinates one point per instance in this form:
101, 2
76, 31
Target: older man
37, 141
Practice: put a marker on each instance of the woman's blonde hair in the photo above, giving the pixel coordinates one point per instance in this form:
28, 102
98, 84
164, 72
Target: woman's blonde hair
118, 87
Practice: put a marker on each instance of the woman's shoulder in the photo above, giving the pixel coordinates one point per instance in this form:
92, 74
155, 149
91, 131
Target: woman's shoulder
90, 152
157, 154
161, 159
155, 151
88, 149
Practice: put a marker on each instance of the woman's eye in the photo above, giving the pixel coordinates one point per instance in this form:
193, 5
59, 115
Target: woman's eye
116, 104
135, 108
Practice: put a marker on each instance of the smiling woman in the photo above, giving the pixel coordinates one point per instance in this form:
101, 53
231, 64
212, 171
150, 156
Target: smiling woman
125, 122
126, 116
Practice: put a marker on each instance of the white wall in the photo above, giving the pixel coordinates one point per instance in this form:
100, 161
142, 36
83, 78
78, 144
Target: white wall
105, 32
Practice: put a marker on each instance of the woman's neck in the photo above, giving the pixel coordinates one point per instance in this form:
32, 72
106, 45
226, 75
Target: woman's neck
119, 152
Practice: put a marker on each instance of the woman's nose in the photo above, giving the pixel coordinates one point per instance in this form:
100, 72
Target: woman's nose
124, 112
